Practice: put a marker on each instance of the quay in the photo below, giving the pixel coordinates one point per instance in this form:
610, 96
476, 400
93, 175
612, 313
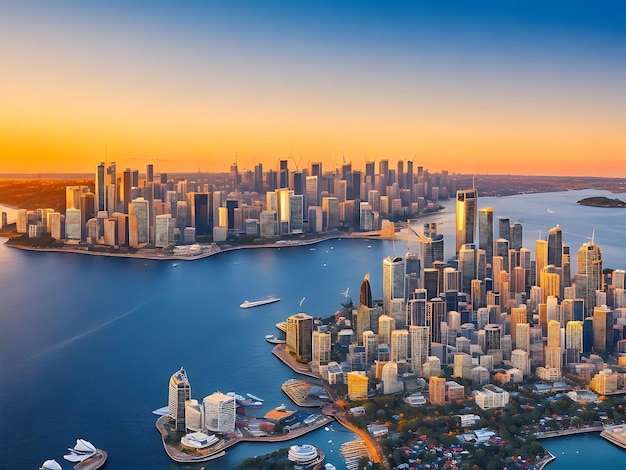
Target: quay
219, 449
615, 435
568, 432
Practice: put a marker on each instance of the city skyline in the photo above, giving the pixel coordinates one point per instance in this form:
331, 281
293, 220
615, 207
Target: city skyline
493, 89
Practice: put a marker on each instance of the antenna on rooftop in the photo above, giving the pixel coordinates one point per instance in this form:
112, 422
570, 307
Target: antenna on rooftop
593, 235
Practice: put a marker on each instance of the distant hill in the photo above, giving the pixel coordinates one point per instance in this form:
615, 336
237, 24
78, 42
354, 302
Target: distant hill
601, 202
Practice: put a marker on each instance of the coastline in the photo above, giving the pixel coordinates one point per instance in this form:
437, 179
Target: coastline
205, 254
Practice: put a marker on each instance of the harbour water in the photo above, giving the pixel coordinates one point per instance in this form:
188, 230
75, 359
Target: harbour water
87, 343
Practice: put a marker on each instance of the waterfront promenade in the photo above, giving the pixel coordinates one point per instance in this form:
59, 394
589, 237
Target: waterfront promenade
220, 449
568, 432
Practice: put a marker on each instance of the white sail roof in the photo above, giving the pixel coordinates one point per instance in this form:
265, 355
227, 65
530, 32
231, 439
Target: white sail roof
51, 465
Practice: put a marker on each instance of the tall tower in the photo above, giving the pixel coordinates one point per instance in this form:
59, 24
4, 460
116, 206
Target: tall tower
179, 392
100, 191
299, 335
485, 231
589, 278
466, 209
393, 281
365, 296
555, 247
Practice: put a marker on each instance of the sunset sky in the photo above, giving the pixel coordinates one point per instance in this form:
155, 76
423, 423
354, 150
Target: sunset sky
524, 87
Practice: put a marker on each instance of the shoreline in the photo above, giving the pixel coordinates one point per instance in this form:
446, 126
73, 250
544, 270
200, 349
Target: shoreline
154, 257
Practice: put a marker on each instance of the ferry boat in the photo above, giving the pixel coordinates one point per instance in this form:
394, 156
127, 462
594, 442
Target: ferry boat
256, 303
272, 339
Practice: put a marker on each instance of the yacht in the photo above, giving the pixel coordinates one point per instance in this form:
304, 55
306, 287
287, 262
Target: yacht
256, 303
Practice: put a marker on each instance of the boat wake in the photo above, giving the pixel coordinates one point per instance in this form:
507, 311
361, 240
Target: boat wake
73, 339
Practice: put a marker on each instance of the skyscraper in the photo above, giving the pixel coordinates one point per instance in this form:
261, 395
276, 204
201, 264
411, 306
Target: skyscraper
555, 247
100, 188
219, 412
393, 281
589, 278
485, 231
365, 295
299, 335
466, 209
179, 391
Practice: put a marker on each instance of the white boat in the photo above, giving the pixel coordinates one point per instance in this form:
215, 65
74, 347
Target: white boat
254, 398
256, 303
243, 401
51, 465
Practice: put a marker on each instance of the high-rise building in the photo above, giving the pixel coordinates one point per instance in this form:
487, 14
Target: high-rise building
365, 294
179, 392
466, 210
139, 210
573, 341
555, 247
199, 205
393, 281
100, 188
589, 278
299, 335
437, 390
219, 412
164, 231
419, 337
399, 346
386, 324
321, 347
485, 231
602, 330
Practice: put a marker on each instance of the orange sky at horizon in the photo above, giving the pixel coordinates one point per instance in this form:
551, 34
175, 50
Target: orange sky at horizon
183, 89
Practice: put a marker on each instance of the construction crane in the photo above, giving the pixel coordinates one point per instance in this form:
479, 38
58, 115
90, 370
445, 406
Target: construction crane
421, 238
297, 163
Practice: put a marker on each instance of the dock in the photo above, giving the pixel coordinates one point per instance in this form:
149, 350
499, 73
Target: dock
353, 451
615, 435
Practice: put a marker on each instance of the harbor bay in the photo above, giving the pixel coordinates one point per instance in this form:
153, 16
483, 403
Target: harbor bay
88, 343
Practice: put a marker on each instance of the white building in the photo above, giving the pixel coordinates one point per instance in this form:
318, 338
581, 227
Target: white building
219, 413
491, 397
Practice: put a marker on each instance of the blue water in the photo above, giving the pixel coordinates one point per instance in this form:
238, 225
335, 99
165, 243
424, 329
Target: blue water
87, 344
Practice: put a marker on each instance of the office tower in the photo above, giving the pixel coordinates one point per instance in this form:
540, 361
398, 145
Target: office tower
602, 330
416, 311
467, 267
386, 324
283, 210
179, 392
296, 213
219, 413
516, 236
73, 227
522, 336
231, 205
330, 210
321, 346
299, 332
100, 188
393, 281
493, 337
435, 315
550, 283
437, 390
589, 278
555, 247
199, 205
312, 192
419, 337
541, 257
520, 360
502, 250
87, 208
362, 321
518, 315
370, 343
573, 341
466, 207
139, 211
164, 231
135, 179
126, 189
485, 231
365, 294
504, 228
357, 386
462, 366
618, 278
399, 346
